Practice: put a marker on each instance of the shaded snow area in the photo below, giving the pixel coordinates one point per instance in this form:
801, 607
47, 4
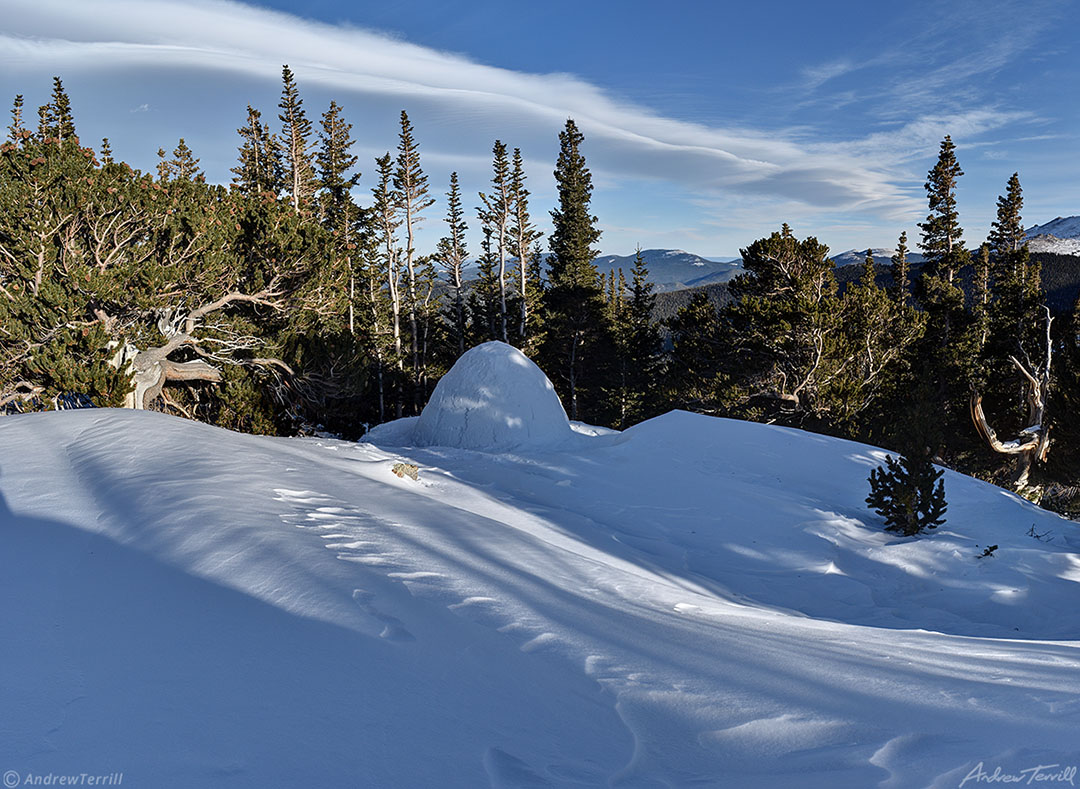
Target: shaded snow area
693, 602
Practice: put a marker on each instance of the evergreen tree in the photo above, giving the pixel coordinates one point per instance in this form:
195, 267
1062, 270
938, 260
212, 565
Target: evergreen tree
638, 346
696, 373
981, 297
106, 151
411, 187
948, 356
496, 216
184, 166
164, 167
906, 495
16, 129
577, 345
869, 358
336, 178
386, 220
901, 271
523, 235
782, 324
452, 255
260, 170
942, 236
59, 125
301, 183
1007, 231
484, 296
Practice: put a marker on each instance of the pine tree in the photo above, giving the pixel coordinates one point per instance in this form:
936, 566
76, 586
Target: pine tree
906, 495
868, 358
1007, 231
638, 346
948, 358
164, 168
59, 125
781, 326
577, 345
16, 129
452, 254
106, 152
496, 215
295, 134
260, 170
335, 162
981, 297
901, 271
523, 235
339, 213
387, 222
184, 166
411, 187
942, 236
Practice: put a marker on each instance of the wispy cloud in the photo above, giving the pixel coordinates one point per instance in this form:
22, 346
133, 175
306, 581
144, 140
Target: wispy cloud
472, 102
230, 38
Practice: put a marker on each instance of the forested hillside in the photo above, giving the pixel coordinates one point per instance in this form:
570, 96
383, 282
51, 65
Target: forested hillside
277, 304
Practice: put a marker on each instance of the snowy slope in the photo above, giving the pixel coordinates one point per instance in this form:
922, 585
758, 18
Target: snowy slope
693, 602
1061, 227
1060, 236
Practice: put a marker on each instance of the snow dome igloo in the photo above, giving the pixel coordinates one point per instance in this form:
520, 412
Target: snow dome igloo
494, 398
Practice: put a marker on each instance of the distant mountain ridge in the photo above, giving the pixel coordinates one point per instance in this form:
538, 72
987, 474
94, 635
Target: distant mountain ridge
1061, 236
881, 256
672, 269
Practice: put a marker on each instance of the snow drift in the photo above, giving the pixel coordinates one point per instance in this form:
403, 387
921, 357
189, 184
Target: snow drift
493, 399
700, 602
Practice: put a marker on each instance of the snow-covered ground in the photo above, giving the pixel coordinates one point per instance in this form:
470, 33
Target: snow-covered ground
693, 602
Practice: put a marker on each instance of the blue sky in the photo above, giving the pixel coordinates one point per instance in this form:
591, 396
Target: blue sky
707, 124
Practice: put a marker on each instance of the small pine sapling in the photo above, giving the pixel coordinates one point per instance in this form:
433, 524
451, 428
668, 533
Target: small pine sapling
906, 495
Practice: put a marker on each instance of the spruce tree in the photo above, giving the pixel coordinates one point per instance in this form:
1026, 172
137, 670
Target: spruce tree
411, 187
184, 165
948, 356
59, 123
901, 271
523, 235
301, 183
452, 255
942, 236
16, 129
496, 215
781, 326
908, 493
260, 170
1007, 230
638, 346
336, 178
576, 349
386, 221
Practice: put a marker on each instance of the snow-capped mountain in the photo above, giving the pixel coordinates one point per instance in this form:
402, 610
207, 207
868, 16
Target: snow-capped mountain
1060, 236
672, 269
881, 255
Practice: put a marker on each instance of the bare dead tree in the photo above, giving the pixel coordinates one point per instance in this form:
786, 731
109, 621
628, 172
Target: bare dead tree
151, 368
1033, 444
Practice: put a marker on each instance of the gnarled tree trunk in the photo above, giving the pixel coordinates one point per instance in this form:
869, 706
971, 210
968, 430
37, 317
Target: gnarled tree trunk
1033, 444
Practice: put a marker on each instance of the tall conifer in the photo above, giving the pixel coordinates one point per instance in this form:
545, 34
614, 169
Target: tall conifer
295, 136
576, 348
